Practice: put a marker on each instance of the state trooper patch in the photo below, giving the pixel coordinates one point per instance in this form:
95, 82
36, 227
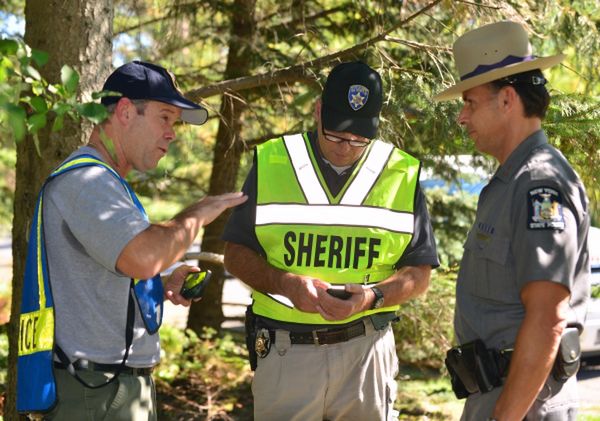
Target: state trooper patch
357, 96
545, 209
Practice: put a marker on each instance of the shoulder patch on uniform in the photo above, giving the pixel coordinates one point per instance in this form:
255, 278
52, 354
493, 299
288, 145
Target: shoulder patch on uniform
545, 207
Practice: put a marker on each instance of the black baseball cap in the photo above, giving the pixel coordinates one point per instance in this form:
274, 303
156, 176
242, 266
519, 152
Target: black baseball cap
140, 80
352, 99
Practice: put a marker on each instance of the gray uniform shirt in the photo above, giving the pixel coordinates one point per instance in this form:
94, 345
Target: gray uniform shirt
532, 224
88, 220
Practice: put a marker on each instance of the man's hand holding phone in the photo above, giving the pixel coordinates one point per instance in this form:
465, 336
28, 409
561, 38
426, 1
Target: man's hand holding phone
186, 284
339, 291
342, 301
194, 284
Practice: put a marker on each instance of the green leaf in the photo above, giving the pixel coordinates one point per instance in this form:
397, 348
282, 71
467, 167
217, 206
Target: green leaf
39, 104
108, 144
6, 68
9, 47
58, 123
69, 78
60, 108
36, 142
37, 88
102, 94
39, 57
36, 122
16, 120
94, 112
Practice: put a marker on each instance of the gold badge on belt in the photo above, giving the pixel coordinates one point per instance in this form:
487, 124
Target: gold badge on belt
262, 344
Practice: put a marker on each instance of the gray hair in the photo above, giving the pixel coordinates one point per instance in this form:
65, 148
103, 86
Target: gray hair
140, 106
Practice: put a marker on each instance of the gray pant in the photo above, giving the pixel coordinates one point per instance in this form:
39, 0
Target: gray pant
129, 398
556, 402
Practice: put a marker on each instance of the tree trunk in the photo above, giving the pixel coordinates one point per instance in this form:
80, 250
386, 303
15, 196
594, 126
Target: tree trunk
77, 33
226, 160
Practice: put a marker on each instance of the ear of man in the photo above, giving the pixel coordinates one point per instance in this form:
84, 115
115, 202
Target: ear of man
509, 99
125, 111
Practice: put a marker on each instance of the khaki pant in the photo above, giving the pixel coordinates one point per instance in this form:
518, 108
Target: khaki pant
129, 398
353, 380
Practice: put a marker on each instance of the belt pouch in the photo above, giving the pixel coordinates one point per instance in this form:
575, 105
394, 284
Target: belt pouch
568, 358
475, 366
382, 320
483, 364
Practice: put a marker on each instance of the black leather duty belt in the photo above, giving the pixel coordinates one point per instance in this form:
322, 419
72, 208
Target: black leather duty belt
106, 368
329, 336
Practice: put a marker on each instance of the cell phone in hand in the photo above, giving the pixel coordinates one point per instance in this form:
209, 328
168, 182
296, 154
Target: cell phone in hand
339, 292
194, 284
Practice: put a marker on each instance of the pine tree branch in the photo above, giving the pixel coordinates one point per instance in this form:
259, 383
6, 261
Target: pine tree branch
418, 45
299, 72
171, 14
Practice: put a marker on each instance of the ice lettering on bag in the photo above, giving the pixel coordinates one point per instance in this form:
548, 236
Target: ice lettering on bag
36, 330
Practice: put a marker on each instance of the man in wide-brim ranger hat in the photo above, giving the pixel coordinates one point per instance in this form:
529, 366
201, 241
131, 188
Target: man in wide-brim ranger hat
524, 277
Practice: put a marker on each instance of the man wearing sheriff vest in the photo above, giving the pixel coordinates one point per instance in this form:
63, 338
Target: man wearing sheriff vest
333, 209
92, 295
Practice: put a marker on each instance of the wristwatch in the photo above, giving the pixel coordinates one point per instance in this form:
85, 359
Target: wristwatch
378, 302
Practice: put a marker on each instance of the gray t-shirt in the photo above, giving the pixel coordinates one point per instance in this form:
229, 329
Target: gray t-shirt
88, 219
532, 224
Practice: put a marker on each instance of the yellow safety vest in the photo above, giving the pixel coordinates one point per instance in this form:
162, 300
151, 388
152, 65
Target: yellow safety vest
355, 237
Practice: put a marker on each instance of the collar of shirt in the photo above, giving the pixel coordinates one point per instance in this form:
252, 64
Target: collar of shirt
312, 137
335, 181
515, 160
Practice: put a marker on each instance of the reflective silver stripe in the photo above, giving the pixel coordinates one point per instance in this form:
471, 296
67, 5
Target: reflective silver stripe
341, 215
281, 300
307, 178
371, 168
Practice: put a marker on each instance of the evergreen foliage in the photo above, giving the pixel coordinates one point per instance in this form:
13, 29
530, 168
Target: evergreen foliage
27, 103
294, 46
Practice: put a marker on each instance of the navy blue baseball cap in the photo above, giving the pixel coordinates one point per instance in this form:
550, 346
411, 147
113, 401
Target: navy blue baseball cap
140, 80
352, 99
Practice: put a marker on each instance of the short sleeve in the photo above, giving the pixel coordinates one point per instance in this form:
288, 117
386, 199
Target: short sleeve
98, 212
240, 226
422, 248
546, 230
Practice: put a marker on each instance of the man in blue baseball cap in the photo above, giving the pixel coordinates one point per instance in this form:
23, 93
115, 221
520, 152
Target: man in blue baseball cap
93, 295
147, 81
334, 237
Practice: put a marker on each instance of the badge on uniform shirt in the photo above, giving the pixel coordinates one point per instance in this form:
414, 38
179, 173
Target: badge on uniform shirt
357, 96
545, 209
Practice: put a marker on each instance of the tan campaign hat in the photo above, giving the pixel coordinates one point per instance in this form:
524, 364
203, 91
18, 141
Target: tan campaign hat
492, 52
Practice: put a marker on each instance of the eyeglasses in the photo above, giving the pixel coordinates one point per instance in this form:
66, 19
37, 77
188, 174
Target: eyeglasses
355, 143
335, 139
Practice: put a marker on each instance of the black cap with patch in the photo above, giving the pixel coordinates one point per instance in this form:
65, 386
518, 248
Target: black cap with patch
352, 99
141, 80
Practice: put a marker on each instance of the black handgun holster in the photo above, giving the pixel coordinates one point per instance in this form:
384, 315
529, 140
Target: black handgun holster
473, 368
250, 325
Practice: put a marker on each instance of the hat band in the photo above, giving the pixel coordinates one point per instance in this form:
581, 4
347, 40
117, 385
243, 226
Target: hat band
484, 68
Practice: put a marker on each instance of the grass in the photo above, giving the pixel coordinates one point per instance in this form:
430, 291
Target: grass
426, 395
207, 377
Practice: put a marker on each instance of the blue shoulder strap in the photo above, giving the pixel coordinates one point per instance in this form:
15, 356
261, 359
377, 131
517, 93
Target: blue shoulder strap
36, 388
